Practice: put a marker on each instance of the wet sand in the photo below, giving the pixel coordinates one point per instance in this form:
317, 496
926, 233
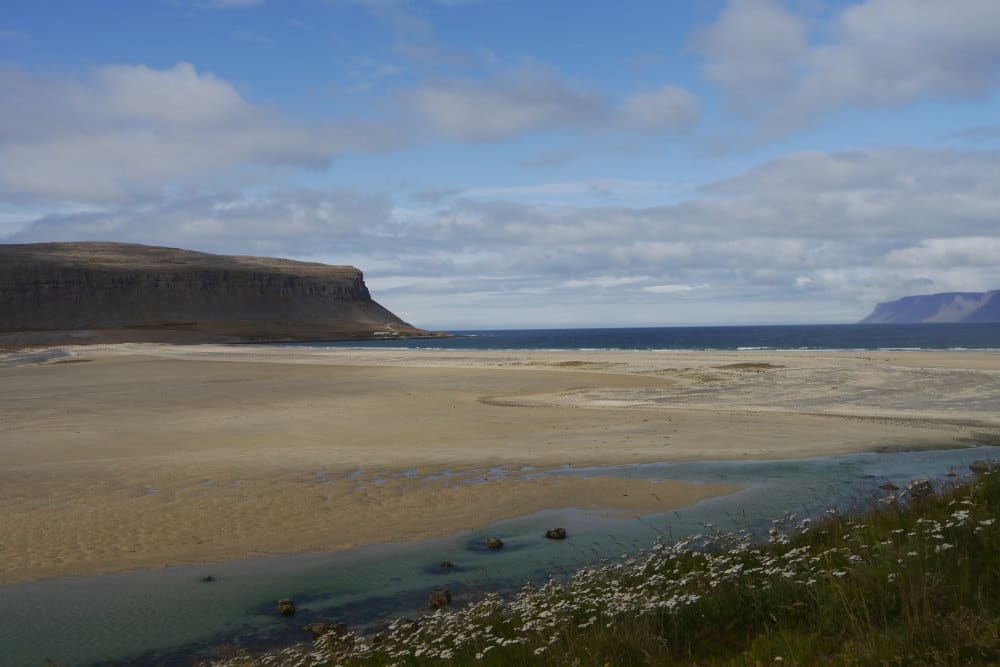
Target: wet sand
130, 456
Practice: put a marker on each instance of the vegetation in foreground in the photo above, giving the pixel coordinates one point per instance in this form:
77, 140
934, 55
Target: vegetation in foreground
915, 581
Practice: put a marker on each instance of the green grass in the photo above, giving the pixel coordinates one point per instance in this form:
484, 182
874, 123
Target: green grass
914, 582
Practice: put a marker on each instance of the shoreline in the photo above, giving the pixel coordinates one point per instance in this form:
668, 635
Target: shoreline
16, 341
353, 586
140, 455
878, 546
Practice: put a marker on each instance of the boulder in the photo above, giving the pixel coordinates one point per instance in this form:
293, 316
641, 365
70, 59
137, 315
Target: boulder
439, 599
494, 543
979, 467
888, 486
920, 489
286, 607
556, 533
446, 565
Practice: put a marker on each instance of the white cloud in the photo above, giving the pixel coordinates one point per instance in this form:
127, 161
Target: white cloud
672, 289
175, 97
510, 104
600, 282
131, 131
291, 222
876, 53
754, 47
893, 51
566, 190
825, 234
126, 133
907, 193
532, 99
669, 108
935, 254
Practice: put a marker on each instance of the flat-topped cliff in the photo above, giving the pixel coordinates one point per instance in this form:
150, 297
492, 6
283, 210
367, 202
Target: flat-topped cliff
117, 291
944, 307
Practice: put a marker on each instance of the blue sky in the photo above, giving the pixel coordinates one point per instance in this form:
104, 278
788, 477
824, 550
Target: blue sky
524, 164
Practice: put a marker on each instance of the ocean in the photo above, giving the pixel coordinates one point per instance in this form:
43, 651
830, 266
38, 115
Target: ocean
942, 336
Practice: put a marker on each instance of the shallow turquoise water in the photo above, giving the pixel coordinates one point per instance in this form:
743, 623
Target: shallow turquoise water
164, 616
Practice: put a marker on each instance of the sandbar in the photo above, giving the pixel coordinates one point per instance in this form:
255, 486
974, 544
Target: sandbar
144, 455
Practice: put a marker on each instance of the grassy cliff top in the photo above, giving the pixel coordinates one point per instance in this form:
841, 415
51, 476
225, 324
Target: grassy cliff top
136, 257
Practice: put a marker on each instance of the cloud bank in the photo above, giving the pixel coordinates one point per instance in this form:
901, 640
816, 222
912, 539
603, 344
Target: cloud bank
846, 229
879, 53
130, 131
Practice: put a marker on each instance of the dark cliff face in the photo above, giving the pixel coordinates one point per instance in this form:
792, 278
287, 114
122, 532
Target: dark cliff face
112, 286
945, 307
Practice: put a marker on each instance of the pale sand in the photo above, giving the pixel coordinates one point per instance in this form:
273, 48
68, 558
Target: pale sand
125, 456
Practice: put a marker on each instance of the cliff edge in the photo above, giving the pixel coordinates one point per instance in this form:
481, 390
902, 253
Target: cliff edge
945, 307
116, 292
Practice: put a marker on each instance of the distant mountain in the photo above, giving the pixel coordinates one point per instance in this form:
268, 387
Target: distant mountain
111, 292
945, 307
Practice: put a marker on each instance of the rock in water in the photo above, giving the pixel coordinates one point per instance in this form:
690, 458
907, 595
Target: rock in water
920, 490
494, 543
439, 599
979, 467
286, 607
118, 292
556, 533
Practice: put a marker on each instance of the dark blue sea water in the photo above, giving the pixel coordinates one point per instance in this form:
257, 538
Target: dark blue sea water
797, 337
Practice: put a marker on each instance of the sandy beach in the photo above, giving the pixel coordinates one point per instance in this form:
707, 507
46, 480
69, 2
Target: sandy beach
145, 455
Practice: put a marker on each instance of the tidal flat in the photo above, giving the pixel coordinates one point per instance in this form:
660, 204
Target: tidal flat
153, 463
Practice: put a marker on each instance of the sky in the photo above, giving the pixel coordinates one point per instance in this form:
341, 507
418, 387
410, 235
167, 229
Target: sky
509, 164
